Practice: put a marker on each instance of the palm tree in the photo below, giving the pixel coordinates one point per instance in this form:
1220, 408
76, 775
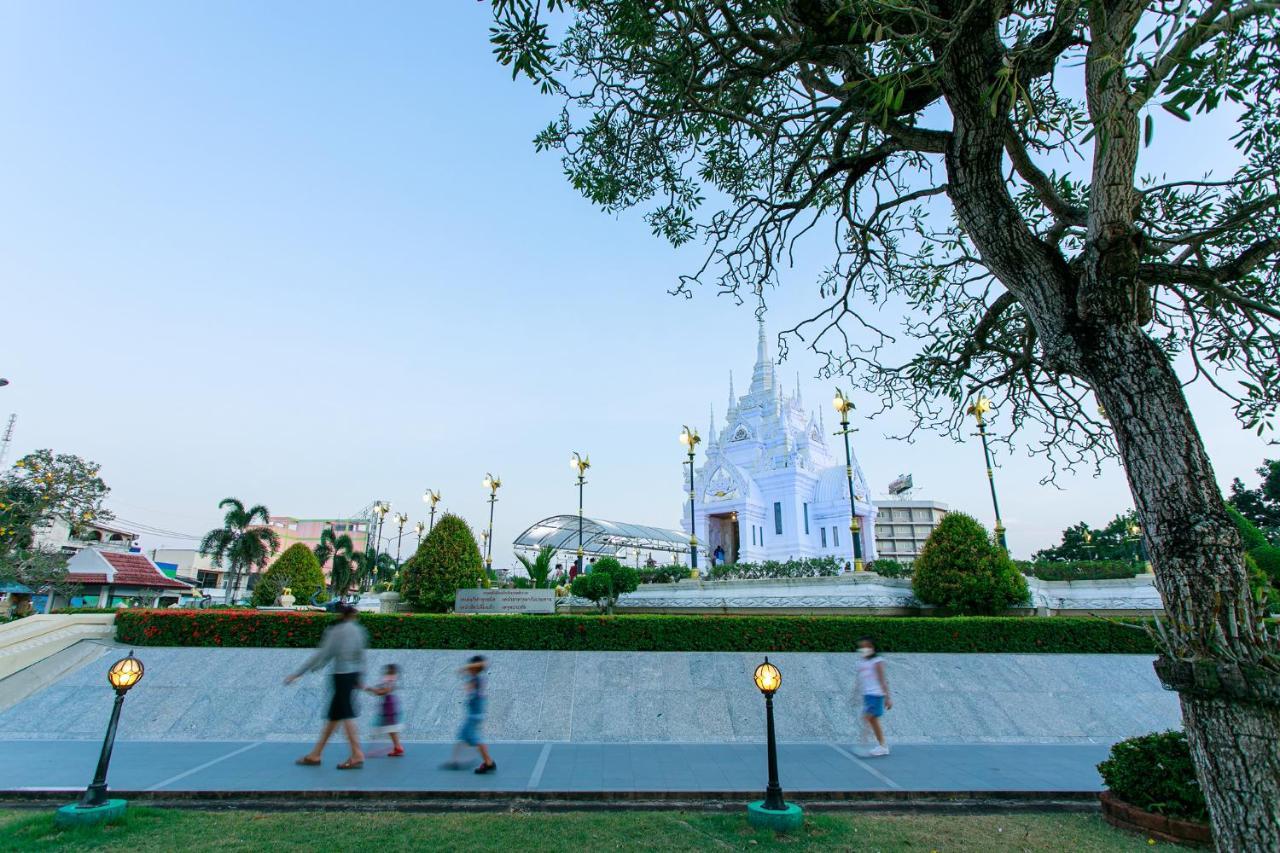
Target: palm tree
372, 567
242, 543
341, 549
539, 567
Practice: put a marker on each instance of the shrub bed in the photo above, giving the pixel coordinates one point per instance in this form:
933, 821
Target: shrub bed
1154, 772
1081, 570
659, 632
810, 567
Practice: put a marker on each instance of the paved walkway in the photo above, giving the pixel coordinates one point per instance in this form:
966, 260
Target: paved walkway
549, 768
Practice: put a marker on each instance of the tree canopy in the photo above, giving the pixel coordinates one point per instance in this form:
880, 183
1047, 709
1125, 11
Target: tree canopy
1115, 541
42, 486
1261, 505
968, 172
898, 134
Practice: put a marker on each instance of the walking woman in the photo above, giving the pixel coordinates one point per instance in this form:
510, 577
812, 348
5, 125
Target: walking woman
344, 644
874, 686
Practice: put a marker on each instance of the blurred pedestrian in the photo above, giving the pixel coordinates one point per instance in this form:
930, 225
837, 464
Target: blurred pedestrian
343, 646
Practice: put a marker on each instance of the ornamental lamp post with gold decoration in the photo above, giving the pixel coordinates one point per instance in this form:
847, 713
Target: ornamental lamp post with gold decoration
433, 498
491, 483
418, 528
843, 405
979, 410
690, 439
580, 463
94, 806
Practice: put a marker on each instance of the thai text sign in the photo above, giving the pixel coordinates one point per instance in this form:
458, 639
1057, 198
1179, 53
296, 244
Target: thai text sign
505, 601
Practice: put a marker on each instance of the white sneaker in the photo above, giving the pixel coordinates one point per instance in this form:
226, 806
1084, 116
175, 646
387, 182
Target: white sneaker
879, 750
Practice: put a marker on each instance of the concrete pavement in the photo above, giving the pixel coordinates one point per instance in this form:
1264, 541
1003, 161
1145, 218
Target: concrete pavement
544, 769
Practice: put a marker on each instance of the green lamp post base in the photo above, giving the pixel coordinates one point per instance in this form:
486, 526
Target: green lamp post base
786, 820
78, 815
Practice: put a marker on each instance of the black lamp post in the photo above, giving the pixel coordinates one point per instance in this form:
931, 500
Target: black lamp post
433, 498
690, 439
418, 527
401, 518
773, 811
844, 405
580, 463
491, 483
94, 804
979, 410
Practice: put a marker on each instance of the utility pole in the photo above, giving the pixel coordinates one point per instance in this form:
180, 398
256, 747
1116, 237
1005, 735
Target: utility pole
8, 437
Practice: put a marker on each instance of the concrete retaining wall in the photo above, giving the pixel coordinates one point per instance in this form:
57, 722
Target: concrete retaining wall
236, 694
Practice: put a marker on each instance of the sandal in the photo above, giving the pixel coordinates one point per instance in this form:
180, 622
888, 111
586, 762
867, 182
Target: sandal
307, 761
350, 765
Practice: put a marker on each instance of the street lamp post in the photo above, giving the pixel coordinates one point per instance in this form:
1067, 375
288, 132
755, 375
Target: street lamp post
401, 518
690, 439
844, 405
418, 527
94, 805
491, 483
433, 498
380, 508
773, 811
580, 463
1135, 536
979, 411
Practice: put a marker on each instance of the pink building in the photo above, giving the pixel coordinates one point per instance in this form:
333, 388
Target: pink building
308, 530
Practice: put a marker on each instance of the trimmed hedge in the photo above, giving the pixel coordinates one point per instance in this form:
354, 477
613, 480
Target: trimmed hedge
1081, 570
658, 632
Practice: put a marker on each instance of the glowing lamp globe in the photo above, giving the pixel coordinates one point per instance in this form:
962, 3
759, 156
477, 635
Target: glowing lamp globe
768, 678
125, 673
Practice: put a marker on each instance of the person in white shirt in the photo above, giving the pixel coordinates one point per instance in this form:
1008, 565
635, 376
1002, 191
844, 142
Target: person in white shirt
873, 683
344, 647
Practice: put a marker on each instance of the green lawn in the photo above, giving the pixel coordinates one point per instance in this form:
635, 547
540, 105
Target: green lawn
153, 829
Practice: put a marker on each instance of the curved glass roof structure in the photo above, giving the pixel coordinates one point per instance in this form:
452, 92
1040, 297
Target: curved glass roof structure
600, 538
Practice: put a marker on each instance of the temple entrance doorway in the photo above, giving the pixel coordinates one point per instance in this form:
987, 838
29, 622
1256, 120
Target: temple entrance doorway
722, 532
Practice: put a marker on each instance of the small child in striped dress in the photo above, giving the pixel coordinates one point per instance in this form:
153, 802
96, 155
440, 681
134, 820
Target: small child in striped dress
388, 719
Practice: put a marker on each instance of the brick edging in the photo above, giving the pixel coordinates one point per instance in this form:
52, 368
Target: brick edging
1128, 816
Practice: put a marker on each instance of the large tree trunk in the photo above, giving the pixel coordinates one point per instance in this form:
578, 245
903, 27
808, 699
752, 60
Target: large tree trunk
1088, 321
1199, 566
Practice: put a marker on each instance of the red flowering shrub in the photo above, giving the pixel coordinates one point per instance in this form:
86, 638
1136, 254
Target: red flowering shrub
637, 632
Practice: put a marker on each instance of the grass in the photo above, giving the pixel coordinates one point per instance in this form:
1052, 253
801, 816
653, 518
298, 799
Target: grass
148, 829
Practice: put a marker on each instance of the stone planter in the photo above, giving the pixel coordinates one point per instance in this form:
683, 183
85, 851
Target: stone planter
287, 600
1126, 816
388, 602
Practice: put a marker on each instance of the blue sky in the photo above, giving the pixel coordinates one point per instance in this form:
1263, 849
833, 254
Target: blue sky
305, 254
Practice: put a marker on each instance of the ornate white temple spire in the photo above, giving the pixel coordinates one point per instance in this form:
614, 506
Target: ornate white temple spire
711, 432
762, 376
798, 400
733, 399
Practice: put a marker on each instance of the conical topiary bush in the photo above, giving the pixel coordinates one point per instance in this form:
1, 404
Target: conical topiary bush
961, 570
296, 569
447, 560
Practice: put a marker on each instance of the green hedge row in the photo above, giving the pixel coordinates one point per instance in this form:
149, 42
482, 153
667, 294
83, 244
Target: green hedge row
1081, 570
664, 633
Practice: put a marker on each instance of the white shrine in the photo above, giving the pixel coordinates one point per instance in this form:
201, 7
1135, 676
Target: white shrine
771, 487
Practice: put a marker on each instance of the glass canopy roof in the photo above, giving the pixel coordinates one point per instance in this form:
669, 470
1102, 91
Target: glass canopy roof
600, 538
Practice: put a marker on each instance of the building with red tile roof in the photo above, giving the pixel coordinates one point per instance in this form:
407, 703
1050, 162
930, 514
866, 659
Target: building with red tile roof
112, 577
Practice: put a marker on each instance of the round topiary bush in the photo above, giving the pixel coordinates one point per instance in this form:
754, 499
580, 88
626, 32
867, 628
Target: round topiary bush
960, 570
447, 560
607, 580
1154, 772
297, 569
